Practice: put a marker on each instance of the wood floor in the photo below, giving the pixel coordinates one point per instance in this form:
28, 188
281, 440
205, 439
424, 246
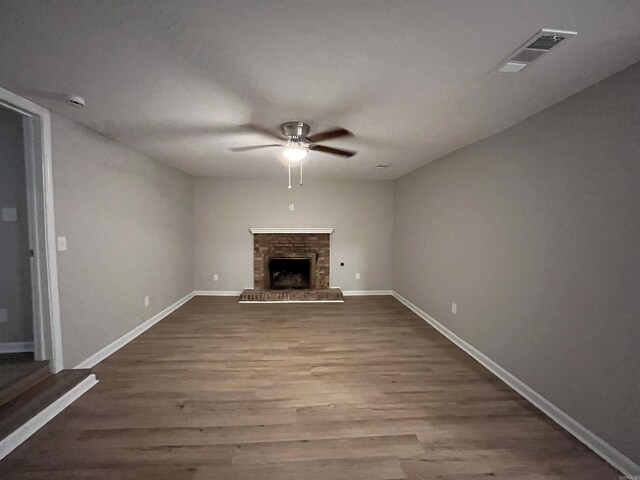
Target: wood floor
360, 390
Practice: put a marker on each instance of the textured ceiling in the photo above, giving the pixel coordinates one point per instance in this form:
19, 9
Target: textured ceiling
410, 78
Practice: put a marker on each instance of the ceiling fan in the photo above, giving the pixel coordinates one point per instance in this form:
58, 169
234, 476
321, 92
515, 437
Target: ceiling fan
298, 142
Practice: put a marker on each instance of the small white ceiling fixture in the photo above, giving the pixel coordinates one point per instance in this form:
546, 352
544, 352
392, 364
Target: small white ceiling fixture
534, 48
74, 100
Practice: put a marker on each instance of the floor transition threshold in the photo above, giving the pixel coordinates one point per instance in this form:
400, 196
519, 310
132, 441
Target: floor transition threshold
28, 389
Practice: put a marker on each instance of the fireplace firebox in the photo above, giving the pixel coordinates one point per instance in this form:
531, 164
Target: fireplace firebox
289, 273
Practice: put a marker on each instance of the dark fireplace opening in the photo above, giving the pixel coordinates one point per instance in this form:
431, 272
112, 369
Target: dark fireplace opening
289, 273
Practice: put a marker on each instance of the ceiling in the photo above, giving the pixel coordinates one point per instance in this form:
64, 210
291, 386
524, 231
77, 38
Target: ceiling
174, 79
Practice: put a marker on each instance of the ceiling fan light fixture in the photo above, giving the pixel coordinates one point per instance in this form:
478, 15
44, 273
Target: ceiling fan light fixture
298, 143
295, 151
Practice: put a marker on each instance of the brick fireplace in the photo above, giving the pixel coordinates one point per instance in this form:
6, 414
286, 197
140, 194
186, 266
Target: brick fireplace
271, 246
291, 265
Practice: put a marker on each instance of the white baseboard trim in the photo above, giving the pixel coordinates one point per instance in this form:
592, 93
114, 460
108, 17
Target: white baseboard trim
590, 439
97, 357
218, 293
16, 438
16, 347
366, 293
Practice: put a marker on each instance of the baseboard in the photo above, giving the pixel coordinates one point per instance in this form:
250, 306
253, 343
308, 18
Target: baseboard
16, 347
97, 357
218, 293
587, 437
366, 293
16, 438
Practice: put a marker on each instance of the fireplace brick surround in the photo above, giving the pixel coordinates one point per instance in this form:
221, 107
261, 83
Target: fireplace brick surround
291, 243
295, 245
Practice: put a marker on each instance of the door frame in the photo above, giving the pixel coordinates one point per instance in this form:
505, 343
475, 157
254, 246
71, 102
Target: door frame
47, 334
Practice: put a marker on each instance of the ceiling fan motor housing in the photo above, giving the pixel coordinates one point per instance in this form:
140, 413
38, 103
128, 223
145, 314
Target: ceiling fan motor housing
295, 130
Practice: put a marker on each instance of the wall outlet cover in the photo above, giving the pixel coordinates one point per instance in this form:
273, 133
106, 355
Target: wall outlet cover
62, 244
454, 308
9, 214
215, 277
147, 301
4, 315
357, 276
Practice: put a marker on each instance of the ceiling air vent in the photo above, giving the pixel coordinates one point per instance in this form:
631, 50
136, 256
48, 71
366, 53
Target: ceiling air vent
531, 50
511, 67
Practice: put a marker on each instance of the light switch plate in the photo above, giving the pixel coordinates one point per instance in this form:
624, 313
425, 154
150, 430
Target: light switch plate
4, 315
357, 276
9, 214
454, 308
62, 244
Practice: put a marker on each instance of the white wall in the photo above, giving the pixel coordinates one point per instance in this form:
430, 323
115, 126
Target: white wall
535, 234
128, 220
15, 276
361, 211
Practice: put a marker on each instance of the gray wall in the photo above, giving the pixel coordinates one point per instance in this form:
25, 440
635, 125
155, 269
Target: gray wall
535, 234
15, 276
361, 211
128, 220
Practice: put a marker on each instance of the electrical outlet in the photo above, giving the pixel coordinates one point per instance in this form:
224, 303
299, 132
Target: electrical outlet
147, 301
357, 276
9, 214
62, 244
454, 308
292, 207
4, 315
215, 277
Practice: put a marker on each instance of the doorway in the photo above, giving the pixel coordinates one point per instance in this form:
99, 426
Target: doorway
16, 303
29, 306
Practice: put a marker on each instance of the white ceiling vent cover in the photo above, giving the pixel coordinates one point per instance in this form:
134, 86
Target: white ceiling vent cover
511, 67
534, 48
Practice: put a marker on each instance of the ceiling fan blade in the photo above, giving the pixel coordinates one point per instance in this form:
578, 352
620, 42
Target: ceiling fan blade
338, 132
262, 130
254, 147
332, 151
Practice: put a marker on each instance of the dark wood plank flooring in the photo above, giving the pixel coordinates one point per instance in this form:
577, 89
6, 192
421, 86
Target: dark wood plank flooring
17, 377
360, 390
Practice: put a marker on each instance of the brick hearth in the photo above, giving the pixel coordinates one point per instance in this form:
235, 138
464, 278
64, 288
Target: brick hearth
324, 295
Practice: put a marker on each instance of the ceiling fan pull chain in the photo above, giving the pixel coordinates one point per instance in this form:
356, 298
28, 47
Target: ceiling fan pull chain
300, 172
289, 173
